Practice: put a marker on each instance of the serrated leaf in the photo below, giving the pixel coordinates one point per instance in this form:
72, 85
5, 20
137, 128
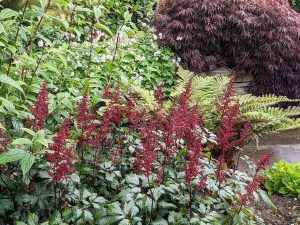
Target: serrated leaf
267, 200
104, 29
32, 219
88, 216
124, 222
12, 155
7, 80
29, 131
27, 162
43, 3
22, 141
7, 13
160, 221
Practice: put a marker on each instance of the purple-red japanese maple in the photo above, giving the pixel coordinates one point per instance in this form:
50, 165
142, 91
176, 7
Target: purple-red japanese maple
260, 37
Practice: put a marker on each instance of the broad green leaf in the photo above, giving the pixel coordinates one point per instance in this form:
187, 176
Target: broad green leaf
7, 13
32, 219
127, 16
104, 29
22, 141
12, 155
29, 131
2, 127
160, 221
43, 3
125, 222
7, 80
27, 162
2, 29
97, 12
267, 200
88, 216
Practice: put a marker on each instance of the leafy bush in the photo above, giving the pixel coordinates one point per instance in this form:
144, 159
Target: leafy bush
118, 164
295, 4
283, 178
257, 36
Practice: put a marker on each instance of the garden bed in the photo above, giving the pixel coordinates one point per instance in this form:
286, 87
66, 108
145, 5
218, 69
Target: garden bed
288, 211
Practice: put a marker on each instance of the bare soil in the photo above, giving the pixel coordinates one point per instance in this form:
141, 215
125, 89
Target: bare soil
288, 211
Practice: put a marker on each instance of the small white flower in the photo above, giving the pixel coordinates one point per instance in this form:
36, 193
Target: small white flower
178, 59
160, 35
109, 57
155, 37
140, 58
139, 79
79, 64
179, 38
143, 24
157, 53
40, 43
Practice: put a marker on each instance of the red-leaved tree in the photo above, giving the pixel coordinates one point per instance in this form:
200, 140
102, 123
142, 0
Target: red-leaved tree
260, 37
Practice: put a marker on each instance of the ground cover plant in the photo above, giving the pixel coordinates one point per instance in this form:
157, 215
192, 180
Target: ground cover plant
283, 178
257, 37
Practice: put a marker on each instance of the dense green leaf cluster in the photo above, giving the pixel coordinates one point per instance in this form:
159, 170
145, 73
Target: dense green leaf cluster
284, 178
295, 4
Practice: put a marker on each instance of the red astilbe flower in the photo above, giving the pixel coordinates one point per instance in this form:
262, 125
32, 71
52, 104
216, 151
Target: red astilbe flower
251, 188
4, 141
40, 110
85, 123
260, 165
146, 156
263, 162
62, 157
185, 123
231, 132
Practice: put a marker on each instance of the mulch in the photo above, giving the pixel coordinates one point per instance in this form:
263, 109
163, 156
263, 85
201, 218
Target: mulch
288, 211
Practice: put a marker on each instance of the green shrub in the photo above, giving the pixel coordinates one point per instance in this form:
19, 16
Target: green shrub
284, 178
295, 4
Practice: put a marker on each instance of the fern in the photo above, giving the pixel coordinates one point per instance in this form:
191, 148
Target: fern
262, 111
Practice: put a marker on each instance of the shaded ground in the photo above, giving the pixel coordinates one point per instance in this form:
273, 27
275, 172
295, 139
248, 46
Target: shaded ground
285, 146
288, 211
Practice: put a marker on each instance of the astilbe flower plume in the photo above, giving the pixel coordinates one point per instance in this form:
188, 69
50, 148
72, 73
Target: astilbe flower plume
113, 114
85, 122
4, 141
259, 37
230, 131
62, 159
260, 165
40, 109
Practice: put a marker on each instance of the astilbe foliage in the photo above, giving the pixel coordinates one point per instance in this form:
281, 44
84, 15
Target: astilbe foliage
260, 37
40, 109
62, 158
